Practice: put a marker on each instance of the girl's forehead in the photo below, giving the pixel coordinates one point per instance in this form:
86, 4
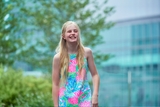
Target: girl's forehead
71, 26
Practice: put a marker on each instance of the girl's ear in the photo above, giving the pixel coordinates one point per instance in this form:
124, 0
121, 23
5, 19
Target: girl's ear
63, 36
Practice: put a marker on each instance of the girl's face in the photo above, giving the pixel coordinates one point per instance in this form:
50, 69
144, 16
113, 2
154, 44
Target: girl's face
71, 34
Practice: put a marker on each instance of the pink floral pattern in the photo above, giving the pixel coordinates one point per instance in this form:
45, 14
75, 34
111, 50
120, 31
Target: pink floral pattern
61, 91
73, 100
76, 91
72, 68
85, 104
81, 76
74, 62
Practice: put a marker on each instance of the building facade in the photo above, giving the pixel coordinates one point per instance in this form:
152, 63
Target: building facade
132, 75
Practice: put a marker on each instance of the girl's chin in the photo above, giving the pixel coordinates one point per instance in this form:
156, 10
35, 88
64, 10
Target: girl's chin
72, 41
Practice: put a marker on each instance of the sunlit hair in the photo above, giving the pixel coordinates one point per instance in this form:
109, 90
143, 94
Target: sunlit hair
63, 51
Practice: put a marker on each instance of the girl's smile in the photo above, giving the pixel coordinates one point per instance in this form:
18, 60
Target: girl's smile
71, 34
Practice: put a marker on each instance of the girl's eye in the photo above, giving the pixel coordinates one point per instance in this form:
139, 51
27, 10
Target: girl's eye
69, 31
75, 31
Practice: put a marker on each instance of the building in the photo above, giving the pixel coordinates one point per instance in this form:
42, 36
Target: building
132, 76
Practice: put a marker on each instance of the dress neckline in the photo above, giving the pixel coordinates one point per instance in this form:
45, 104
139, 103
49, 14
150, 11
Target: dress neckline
72, 54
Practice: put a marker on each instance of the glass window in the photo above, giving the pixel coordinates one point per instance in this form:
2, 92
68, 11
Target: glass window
138, 30
140, 42
143, 31
133, 31
148, 29
156, 29
147, 51
143, 41
147, 41
134, 52
155, 50
155, 67
155, 40
148, 67
140, 51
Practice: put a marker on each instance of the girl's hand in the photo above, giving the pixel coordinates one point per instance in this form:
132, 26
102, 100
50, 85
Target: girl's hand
94, 101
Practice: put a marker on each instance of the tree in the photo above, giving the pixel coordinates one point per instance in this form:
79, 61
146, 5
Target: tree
6, 47
44, 22
13, 31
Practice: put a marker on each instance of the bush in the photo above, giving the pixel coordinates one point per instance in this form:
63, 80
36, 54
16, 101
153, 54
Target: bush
24, 91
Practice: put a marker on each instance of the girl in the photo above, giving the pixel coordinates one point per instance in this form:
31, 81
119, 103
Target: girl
70, 86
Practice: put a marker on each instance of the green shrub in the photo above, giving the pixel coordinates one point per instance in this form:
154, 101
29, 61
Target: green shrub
24, 91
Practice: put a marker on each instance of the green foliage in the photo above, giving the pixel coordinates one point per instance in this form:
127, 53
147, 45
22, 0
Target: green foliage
13, 31
24, 91
4, 30
34, 28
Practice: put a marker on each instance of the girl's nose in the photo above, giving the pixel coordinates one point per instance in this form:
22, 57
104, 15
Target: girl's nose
72, 32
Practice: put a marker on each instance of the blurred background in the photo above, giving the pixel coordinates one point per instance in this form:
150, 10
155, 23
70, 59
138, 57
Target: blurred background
123, 35
132, 76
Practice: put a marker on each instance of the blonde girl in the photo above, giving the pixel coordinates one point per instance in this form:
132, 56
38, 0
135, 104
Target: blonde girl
70, 86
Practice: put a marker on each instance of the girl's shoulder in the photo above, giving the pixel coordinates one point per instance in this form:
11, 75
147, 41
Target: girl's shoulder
56, 56
88, 52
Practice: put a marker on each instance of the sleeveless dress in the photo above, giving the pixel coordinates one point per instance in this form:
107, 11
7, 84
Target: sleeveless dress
76, 91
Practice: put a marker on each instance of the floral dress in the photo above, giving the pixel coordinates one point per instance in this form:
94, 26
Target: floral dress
76, 91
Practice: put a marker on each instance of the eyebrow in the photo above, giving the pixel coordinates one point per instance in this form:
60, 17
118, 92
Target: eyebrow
72, 29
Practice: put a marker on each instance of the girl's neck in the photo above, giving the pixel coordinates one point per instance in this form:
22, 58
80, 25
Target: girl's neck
72, 48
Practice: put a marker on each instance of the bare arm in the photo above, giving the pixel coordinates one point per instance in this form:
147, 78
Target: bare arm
55, 79
94, 73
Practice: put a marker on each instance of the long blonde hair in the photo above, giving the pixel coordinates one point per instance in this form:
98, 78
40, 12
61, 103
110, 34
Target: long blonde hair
63, 51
